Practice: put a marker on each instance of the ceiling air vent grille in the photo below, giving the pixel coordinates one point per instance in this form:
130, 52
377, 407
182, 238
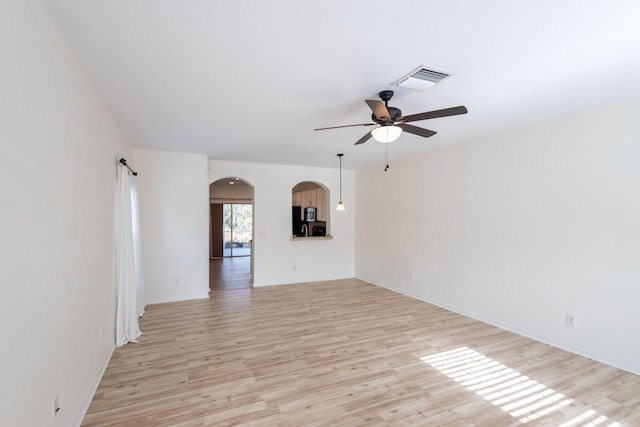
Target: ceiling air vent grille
421, 79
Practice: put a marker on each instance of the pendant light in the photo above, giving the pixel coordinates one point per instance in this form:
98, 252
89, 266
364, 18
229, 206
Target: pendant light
340, 206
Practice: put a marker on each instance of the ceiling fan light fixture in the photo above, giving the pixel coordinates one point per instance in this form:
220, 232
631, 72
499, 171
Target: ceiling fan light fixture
386, 134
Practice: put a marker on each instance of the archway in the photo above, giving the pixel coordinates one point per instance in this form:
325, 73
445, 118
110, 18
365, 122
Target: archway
310, 213
230, 234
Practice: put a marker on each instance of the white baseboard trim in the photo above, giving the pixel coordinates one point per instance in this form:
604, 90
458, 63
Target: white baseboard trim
525, 333
181, 298
82, 411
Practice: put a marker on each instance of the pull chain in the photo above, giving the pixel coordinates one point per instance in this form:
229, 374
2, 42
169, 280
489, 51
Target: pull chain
386, 157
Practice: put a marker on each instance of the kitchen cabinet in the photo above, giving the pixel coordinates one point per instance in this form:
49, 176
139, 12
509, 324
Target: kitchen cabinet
296, 199
306, 199
310, 197
315, 198
320, 211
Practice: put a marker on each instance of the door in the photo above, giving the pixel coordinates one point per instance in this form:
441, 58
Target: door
217, 235
237, 229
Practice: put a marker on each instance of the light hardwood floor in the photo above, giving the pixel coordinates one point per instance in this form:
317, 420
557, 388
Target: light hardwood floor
347, 353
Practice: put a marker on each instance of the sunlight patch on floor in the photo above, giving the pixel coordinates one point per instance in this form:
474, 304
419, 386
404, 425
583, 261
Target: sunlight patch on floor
589, 418
514, 393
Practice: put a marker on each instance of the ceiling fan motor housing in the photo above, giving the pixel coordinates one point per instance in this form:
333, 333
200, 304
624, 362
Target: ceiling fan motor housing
395, 114
386, 95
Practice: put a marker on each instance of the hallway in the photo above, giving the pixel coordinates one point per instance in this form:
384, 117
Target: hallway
229, 273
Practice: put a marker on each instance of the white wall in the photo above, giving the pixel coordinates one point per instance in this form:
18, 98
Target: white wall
519, 230
174, 206
275, 255
58, 145
225, 193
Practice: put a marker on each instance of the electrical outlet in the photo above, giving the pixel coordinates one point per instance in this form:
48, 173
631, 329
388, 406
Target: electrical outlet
100, 335
55, 407
410, 278
175, 281
570, 321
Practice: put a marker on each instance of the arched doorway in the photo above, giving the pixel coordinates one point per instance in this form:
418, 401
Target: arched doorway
230, 234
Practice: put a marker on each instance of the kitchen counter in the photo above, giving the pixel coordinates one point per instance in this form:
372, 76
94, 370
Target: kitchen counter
329, 237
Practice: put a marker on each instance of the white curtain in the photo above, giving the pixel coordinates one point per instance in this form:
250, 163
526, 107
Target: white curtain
129, 283
137, 247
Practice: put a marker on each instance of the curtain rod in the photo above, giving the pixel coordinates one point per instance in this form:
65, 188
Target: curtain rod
124, 162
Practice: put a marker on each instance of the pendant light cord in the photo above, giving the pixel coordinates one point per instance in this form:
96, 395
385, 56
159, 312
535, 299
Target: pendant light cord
340, 204
340, 178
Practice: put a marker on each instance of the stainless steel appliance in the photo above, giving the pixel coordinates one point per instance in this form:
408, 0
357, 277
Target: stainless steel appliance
310, 214
318, 230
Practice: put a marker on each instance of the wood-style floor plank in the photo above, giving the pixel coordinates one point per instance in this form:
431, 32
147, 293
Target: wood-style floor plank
347, 353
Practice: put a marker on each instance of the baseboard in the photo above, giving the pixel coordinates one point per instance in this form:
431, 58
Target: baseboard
181, 298
82, 411
516, 330
300, 282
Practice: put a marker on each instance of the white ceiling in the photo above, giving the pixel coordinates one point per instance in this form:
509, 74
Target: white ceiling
249, 80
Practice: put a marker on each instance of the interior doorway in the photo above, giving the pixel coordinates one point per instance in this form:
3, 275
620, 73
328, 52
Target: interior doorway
231, 234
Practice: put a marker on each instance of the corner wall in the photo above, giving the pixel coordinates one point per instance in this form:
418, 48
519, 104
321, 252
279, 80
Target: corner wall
277, 259
59, 146
519, 230
174, 221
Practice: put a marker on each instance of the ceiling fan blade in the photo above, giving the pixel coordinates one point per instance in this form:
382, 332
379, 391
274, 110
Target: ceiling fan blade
426, 133
453, 111
346, 126
379, 109
364, 139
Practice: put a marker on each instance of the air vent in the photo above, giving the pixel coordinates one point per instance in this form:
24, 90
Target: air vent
421, 79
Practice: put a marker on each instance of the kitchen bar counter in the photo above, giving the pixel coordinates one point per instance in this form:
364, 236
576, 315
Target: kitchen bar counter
329, 237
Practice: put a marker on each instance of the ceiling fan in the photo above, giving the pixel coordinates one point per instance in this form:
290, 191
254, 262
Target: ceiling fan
392, 122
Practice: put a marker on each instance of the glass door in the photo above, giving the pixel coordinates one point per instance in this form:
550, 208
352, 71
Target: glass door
238, 229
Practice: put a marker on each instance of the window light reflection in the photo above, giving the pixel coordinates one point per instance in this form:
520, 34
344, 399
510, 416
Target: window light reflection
514, 393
